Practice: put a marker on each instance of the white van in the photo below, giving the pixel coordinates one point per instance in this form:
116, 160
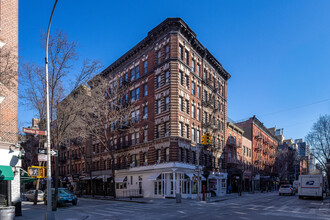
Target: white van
310, 186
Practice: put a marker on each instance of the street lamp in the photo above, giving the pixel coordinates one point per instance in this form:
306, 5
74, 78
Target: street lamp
49, 213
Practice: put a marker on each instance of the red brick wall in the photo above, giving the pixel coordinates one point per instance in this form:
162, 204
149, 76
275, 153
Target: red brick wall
9, 35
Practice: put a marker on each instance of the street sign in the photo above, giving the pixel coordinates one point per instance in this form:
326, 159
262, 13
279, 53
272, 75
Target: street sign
42, 151
54, 153
42, 157
34, 131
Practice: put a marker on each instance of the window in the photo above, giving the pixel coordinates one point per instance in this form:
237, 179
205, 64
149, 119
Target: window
167, 51
145, 89
167, 77
186, 57
158, 109
145, 67
159, 55
193, 111
135, 73
145, 157
187, 81
193, 134
180, 128
181, 52
181, 77
166, 128
158, 155
167, 103
198, 136
198, 91
167, 154
145, 134
221, 108
181, 103
205, 75
137, 115
187, 131
193, 66
126, 77
198, 114
198, 69
221, 126
192, 88
135, 94
145, 112
205, 117
159, 80
187, 106
205, 95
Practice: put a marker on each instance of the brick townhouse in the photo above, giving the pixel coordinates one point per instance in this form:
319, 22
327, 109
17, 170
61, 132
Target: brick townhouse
264, 149
236, 159
180, 91
9, 162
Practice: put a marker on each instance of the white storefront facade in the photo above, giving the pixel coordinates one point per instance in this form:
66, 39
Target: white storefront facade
165, 180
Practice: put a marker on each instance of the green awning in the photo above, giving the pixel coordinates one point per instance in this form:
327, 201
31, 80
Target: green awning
6, 173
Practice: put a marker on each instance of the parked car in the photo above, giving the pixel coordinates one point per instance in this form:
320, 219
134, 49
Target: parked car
63, 196
286, 189
29, 195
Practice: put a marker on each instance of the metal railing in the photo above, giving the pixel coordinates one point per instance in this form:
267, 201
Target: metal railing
133, 193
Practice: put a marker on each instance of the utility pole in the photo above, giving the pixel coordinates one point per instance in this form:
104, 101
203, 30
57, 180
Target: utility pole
49, 213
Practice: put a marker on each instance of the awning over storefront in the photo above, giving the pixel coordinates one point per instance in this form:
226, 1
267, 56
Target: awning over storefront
6, 173
190, 175
120, 179
154, 176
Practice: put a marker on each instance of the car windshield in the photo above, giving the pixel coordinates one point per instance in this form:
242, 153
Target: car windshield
64, 191
285, 186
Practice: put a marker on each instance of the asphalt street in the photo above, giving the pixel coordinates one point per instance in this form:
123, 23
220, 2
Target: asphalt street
257, 206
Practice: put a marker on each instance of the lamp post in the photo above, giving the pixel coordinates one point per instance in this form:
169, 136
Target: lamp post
49, 213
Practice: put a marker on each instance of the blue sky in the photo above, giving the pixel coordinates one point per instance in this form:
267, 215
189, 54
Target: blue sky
277, 52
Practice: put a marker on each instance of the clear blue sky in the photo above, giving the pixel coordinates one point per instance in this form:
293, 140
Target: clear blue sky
278, 52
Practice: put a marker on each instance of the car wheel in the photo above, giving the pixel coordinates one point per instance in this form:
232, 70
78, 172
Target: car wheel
74, 202
300, 197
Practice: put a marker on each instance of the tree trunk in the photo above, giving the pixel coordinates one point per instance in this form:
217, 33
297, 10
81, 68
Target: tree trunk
113, 185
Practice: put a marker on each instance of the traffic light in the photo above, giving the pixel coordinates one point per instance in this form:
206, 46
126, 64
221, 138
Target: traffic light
36, 172
204, 139
208, 138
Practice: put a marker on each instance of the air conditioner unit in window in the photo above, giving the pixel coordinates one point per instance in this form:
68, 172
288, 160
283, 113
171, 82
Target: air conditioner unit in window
132, 165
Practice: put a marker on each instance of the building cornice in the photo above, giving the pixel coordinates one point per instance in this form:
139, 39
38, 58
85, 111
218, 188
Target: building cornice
170, 24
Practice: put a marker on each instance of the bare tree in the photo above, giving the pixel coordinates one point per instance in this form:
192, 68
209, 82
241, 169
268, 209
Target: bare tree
319, 141
108, 115
63, 109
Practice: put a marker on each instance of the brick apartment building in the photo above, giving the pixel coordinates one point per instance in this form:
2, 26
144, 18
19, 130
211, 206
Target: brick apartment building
237, 158
264, 149
9, 162
180, 91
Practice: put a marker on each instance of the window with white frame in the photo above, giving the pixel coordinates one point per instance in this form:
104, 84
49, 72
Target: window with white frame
159, 56
193, 88
167, 77
167, 51
193, 134
193, 111
180, 128
145, 112
198, 114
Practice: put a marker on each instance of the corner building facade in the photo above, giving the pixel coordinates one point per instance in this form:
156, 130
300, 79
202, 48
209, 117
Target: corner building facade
179, 91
